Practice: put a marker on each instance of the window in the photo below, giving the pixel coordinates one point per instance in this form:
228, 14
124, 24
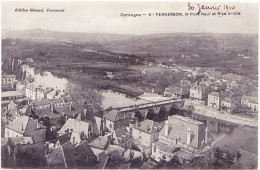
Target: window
154, 149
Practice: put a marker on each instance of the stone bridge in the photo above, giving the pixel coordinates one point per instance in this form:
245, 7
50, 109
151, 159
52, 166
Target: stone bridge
155, 106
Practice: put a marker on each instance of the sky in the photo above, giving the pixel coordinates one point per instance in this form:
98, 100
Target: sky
104, 17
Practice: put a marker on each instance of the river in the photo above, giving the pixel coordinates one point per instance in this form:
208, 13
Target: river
116, 99
110, 98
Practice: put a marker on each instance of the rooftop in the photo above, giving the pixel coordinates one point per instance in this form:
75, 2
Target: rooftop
114, 115
74, 125
24, 124
63, 157
214, 93
147, 126
11, 94
186, 119
100, 142
250, 99
165, 148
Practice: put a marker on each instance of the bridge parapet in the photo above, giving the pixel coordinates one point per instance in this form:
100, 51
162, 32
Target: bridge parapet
151, 105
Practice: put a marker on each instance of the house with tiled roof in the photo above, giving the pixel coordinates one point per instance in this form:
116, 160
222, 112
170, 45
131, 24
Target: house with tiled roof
68, 155
179, 136
115, 119
99, 145
123, 155
121, 137
64, 156
57, 110
92, 116
86, 154
25, 126
79, 130
62, 139
144, 134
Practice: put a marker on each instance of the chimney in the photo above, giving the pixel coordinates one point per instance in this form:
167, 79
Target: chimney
22, 127
166, 124
137, 122
51, 106
85, 112
123, 138
47, 148
188, 136
206, 135
37, 125
71, 106
104, 123
73, 140
52, 109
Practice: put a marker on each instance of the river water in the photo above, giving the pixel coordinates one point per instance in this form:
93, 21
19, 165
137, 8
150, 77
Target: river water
110, 98
116, 99
45, 77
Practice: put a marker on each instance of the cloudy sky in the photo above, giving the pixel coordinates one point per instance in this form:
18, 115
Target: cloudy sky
104, 17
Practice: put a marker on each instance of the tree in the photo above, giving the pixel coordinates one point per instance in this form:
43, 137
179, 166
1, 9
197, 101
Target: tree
83, 89
138, 115
174, 162
150, 114
162, 114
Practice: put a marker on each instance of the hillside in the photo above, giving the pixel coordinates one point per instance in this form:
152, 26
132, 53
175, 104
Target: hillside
235, 53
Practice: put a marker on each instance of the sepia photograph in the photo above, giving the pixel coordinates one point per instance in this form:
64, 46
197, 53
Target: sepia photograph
129, 84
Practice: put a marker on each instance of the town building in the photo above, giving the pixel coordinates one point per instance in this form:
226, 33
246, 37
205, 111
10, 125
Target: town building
179, 136
64, 156
230, 104
25, 126
8, 79
199, 93
115, 119
110, 75
215, 98
120, 137
249, 102
56, 94
37, 92
57, 110
8, 96
79, 130
99, 145
17, 152
182, 90
144, 134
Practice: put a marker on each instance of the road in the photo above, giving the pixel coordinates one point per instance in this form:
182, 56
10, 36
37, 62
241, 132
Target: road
210, 112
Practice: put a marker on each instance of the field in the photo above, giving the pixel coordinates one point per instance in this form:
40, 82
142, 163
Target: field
79, 55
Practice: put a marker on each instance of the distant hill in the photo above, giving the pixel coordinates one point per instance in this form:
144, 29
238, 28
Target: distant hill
70, 37
164, 45
235, 53
205, 45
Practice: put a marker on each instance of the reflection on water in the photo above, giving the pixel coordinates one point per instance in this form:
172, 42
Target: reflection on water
45, 77
115, 99
110, 98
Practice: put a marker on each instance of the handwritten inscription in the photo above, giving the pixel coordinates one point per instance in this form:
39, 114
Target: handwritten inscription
202, 7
